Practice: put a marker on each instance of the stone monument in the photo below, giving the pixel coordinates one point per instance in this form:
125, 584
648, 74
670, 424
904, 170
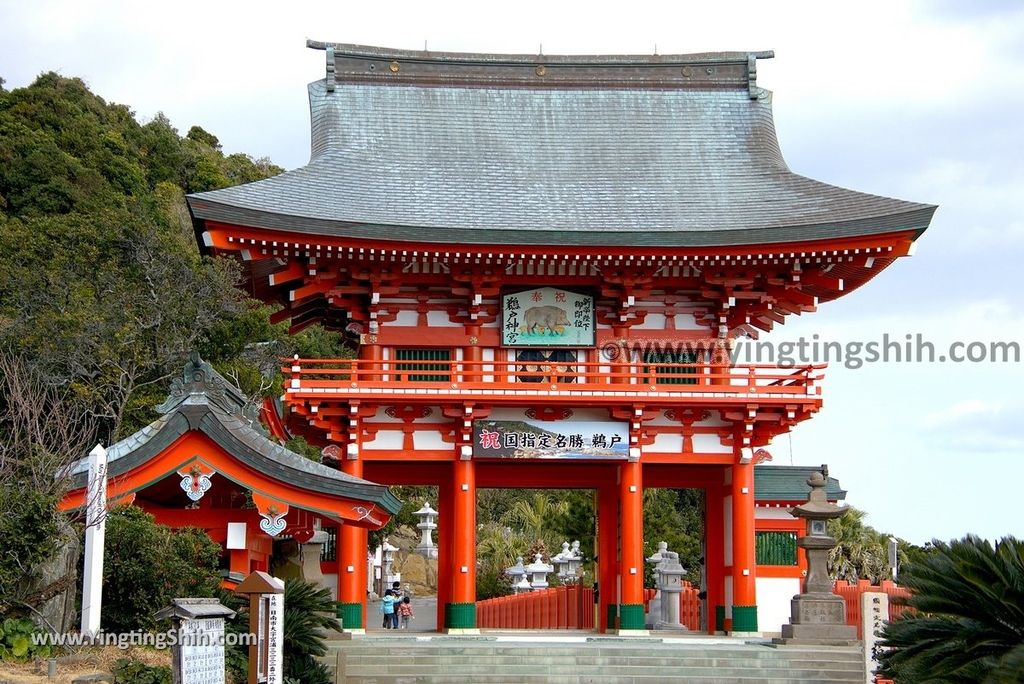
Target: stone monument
818, 616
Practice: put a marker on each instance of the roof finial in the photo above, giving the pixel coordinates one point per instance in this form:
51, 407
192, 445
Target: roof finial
541, 51
655, 49
425, 45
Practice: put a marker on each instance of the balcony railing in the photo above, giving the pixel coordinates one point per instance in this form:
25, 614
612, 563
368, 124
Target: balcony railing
360, 376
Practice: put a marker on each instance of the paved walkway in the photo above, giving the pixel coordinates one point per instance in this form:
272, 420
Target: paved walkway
424, 616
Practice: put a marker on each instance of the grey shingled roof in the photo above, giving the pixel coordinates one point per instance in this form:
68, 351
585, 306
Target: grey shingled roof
618, 164
789, 483
203, 400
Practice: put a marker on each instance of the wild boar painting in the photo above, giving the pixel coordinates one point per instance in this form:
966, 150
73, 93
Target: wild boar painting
547, 317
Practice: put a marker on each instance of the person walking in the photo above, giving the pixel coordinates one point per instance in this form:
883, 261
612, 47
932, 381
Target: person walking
405, 612
388, 608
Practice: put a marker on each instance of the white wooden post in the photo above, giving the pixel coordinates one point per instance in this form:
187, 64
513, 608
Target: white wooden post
95, 527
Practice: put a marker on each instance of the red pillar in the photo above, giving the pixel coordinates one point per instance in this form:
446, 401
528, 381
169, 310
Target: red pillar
370, 352
472, 355
714, 557
631, 498
352, 565
744, 565
607, 557
445, 546
460, 613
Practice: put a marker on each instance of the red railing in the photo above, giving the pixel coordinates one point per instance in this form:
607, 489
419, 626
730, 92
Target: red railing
319, 376
851, 594
568, 607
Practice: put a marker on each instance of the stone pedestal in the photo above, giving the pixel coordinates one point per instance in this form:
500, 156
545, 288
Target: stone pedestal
818, 619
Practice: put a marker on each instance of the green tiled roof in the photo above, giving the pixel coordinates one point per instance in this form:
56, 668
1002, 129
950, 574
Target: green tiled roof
789, 483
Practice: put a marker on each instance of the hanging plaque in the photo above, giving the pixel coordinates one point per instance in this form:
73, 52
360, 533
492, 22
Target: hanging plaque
547, 317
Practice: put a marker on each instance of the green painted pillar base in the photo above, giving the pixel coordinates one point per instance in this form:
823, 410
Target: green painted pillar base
631, 616
613, 613
460, 616
351, 615
719, 618
744, 618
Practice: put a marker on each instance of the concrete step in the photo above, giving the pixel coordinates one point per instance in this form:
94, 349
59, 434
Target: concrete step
468, 660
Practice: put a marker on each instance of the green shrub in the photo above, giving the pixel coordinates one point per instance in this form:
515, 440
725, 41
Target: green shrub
145, 565
16, 641
129, 671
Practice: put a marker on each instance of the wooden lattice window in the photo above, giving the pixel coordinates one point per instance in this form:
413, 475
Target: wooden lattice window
775, 548
670, 375
438, 372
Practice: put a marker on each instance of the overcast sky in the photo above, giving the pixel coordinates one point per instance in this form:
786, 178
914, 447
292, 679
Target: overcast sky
917, 100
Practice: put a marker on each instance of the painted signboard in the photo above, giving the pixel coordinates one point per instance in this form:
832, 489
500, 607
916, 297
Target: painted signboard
547, 317
544, 439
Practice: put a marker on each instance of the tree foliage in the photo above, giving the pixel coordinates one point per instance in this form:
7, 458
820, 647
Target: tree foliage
146, 565
104, 285
42, 434
968, 624
862, 552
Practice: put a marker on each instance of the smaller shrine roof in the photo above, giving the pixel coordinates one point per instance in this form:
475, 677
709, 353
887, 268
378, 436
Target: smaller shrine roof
203, 400
789, 483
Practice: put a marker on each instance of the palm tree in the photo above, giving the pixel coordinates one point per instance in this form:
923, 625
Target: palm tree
537, 516
860, 551
308, 613
969, 619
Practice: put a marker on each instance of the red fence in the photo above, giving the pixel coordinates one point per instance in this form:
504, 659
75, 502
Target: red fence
568, 607
851, 595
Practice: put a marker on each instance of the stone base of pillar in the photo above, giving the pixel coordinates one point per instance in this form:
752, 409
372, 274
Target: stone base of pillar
461, 631
633, 632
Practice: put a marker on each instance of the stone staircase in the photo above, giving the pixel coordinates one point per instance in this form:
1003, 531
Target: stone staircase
586, 660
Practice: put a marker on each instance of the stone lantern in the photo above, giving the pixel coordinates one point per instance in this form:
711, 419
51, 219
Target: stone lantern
568, 562
670, 585
818, 615
659, 555
517, 576
574, 561
426, 526
387, 558
538, 571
